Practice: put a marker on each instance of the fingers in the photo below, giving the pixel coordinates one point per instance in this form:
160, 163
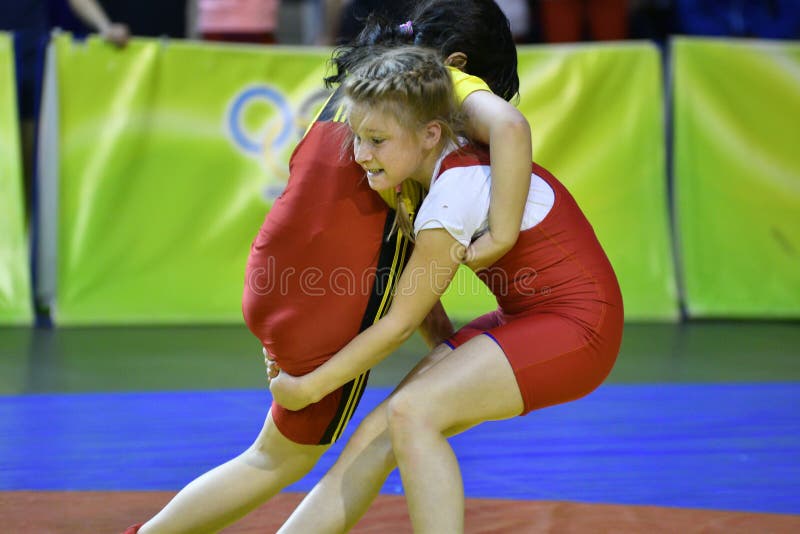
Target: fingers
117, 34
272, 370
469, 255
272, 367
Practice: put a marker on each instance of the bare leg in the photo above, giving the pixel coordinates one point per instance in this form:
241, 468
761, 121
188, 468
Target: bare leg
474, 383
343, 495
345, 492
228, 492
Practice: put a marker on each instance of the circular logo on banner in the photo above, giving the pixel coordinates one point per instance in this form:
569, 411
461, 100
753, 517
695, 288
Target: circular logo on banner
272, 134
279, 129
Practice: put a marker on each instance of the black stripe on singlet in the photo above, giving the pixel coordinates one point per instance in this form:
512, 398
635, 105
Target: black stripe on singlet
393, 257
331, 111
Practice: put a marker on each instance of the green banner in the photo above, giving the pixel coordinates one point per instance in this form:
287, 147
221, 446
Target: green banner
597, 120
15, 286
171, 154
737, 176
169, 164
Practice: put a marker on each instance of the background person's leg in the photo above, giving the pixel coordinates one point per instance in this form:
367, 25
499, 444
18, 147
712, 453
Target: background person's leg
561, 20
608, 19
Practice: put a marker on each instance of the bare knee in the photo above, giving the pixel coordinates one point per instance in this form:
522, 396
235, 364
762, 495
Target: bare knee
271, 451
406, 415
260, 456
287, 468
372, 441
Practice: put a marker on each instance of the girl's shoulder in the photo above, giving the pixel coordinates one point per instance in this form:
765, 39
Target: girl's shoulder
468, 155
465, 84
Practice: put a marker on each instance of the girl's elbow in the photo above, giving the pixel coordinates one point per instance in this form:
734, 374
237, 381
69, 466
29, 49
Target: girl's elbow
511, 125
400, 329
517, 123
405, 332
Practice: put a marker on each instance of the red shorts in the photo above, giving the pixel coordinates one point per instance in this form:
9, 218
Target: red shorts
554, 358
323, 422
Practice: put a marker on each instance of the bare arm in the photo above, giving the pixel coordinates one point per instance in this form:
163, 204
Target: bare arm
494, 121
427, 275
92, 14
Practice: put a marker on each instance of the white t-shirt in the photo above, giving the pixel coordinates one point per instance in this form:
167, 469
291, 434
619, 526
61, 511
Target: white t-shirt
458, 201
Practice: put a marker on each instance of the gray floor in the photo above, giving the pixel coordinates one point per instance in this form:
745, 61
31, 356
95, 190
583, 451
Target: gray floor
229, 357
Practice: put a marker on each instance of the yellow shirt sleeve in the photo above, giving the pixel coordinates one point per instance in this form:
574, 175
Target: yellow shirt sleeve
466, 84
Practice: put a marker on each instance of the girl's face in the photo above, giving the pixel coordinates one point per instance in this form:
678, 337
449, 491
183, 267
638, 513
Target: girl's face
389, 152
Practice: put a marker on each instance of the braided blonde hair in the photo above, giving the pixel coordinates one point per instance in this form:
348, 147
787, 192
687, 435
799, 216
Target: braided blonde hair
411, 84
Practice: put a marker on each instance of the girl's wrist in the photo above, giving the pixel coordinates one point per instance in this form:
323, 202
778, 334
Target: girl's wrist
311, 388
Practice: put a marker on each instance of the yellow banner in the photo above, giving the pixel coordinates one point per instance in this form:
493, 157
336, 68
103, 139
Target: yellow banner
598, 125
168, 167
170, 162
15, 288
737, 176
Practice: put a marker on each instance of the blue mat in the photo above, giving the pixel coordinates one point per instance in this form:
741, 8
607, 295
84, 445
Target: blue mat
728, 447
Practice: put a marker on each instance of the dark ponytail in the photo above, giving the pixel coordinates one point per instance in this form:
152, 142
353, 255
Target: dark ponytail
478, 28
378, 32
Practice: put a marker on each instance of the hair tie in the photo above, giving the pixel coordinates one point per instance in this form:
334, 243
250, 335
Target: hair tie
398, 188
406, 28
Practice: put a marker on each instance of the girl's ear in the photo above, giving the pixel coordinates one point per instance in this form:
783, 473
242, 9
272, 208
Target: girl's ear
431, 135
457, 60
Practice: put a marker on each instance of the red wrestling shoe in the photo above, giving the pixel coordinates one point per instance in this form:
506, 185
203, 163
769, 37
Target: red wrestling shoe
133, 529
